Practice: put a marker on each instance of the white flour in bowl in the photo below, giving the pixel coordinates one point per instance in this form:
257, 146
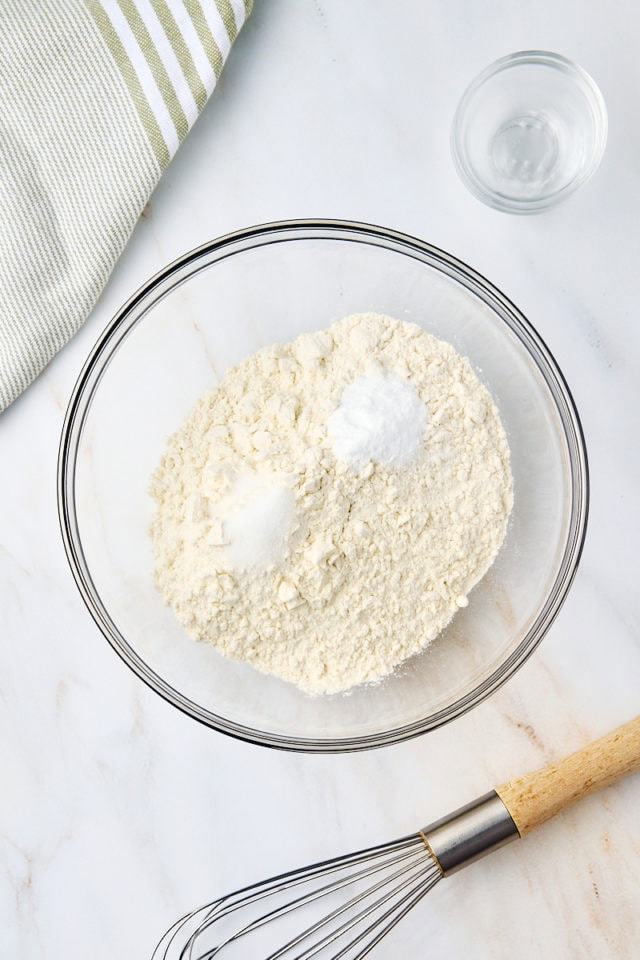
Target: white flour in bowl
328, 506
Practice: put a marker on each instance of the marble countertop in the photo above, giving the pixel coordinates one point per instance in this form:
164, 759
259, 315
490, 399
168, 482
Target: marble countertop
118, 813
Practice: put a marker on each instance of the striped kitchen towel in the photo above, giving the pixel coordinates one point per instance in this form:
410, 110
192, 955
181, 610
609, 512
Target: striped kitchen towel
95, 98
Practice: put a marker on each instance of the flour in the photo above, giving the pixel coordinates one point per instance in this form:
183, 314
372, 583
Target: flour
327, 508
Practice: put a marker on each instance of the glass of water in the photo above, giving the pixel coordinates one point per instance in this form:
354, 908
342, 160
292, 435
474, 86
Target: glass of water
528, 131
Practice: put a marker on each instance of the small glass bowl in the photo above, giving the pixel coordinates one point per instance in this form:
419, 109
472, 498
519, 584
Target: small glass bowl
528, 131
177, 336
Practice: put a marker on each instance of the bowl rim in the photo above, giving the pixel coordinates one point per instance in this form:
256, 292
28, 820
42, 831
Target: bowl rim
555, 61
324, 229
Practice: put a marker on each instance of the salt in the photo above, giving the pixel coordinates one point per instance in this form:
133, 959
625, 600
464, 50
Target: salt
380, 418
258, 516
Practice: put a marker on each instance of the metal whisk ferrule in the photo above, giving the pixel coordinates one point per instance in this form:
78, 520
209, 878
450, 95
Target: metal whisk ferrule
473, 831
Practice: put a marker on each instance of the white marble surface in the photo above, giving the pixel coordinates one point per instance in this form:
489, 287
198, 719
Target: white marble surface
117, 812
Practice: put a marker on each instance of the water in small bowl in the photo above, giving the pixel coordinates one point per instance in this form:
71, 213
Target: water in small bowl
529, 130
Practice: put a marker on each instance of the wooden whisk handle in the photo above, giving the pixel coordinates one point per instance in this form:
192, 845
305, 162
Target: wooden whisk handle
535, 798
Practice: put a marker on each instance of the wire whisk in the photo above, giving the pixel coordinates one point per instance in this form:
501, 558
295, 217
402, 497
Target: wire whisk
384, 883
342, 908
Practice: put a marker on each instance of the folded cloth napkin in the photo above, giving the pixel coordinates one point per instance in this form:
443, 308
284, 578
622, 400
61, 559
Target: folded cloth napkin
95, 98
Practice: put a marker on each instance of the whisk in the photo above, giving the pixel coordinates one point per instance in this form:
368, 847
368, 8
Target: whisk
341, 909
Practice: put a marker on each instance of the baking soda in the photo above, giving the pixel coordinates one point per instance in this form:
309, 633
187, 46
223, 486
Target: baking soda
380, 418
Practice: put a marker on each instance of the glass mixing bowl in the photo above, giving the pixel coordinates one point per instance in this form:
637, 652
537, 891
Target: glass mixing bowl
178, 335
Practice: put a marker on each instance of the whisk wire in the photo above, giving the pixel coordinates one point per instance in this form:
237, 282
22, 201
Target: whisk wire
310, 897
343, 910
411, 901
402, 872
355, 920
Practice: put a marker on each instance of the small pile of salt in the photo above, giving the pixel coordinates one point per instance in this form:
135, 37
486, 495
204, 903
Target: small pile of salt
257, 521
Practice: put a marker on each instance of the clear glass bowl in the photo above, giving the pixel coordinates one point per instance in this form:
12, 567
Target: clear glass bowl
528, 131
177, 336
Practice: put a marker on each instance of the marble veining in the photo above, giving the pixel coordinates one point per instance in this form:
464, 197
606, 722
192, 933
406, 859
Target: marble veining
118, 813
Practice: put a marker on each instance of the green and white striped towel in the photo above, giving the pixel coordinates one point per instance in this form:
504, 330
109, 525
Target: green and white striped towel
95, 99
